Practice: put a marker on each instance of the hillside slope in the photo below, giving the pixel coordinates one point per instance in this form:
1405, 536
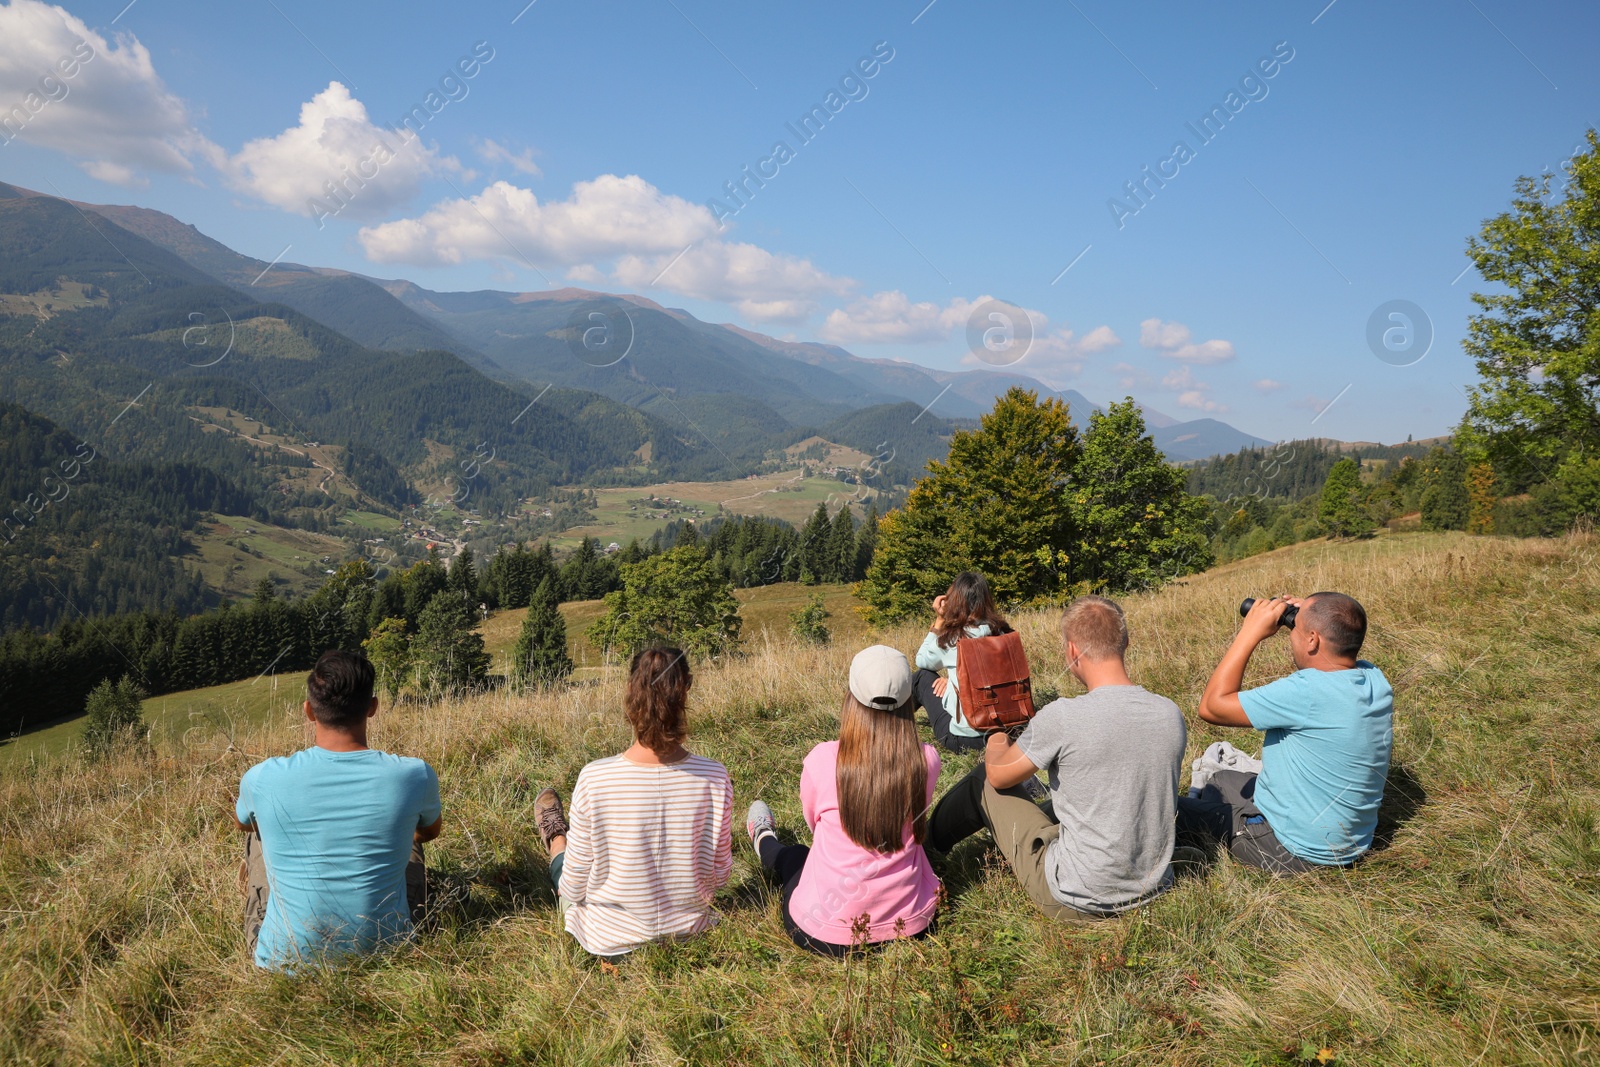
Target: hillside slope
1468, 937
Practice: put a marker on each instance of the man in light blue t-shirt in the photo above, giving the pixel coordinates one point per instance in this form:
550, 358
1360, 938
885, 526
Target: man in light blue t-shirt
333, 863
1329, 731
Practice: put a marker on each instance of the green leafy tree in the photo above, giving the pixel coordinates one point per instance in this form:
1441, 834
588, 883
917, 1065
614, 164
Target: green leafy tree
995, 505
114, 717
1342, 509
1537, 339
1446, 504
389, 649
676, 597
808, 622
1135, 523
447, 652
540, 657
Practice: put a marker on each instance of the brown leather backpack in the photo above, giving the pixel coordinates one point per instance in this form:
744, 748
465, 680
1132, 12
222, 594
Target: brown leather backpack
992, 681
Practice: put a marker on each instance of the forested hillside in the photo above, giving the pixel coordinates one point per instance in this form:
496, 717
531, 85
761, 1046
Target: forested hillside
196, 398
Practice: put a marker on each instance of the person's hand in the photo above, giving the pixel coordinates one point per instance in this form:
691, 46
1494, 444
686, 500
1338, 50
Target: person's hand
939, 686
1264, 618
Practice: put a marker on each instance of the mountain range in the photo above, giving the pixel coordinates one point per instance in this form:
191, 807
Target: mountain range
325, 404
713, 378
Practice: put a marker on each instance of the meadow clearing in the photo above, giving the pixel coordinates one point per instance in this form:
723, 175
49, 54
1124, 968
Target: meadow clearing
1471, 935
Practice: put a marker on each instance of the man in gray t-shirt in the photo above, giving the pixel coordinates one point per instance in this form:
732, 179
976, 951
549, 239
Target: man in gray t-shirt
1113, 757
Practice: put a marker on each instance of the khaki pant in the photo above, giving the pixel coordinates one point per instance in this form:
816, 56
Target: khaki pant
253, 884
1023, 831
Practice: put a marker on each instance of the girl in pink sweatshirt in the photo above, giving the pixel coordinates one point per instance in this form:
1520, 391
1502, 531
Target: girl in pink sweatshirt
865, 879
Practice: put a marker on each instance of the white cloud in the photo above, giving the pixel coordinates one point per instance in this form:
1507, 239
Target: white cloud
115, 174
649, 238
891, 317
762, 285
1153, 333
1268, 385
1172, 339
335, 159
1192, 393
603, 218
64, 86
587, 274
493, 152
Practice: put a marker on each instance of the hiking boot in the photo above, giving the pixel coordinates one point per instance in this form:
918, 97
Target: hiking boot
758, 823
1187, 860
548, 817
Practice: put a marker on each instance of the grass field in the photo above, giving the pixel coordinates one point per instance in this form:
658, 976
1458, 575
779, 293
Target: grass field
624, 513
227, 709
765, 611
196, 715
267, 551
1470, 936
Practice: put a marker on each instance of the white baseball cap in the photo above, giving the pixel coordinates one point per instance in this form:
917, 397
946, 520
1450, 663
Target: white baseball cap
880, 677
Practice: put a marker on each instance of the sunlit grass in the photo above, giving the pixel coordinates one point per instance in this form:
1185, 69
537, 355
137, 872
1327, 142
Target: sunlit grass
1472, 936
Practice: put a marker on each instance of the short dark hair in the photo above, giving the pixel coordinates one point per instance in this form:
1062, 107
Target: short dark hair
340, 688
1340, 620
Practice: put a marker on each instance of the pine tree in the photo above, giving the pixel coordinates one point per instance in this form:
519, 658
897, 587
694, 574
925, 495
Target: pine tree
866, 543
1341, 509
540, 657
1445, 502
842, 546
447, 651
266, 591
1135, 522
814, 545
464, 574
422, 582
1481, 498
808, 622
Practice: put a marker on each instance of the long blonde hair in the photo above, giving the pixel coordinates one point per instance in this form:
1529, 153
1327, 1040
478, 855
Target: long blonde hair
882, 776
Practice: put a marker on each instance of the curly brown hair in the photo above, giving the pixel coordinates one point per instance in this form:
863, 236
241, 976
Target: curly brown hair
658, 692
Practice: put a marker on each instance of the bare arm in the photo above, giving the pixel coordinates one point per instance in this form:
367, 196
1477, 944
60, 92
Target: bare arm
1004, 763
1219, 704
427, 833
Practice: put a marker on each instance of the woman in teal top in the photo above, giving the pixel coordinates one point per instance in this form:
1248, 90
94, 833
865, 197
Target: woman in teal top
966, 610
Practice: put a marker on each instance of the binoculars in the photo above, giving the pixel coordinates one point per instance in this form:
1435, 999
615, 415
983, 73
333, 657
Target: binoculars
1286, 620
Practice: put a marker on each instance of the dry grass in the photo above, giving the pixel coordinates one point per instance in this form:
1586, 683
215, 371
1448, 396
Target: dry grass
1472, 936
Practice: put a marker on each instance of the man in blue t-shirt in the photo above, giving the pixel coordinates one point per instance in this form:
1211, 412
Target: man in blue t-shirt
333, 863
1329, 731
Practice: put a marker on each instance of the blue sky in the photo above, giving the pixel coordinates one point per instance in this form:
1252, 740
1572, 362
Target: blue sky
979, 160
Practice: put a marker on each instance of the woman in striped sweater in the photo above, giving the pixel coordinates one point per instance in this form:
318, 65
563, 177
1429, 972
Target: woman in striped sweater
650, 838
